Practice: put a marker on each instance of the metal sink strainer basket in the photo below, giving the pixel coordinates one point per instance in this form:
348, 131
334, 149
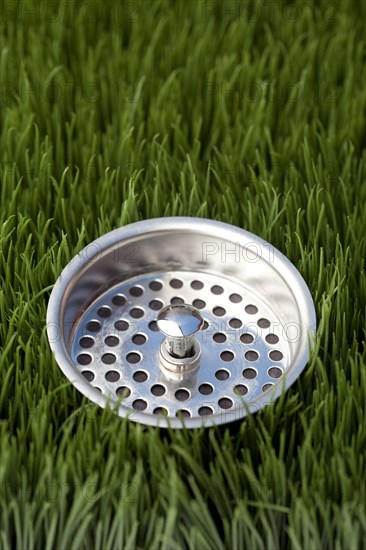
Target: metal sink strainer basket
181, 322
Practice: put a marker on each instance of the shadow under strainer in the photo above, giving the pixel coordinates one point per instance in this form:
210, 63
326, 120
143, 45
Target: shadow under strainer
205, 411
93, 326
205, 389
240, 389
272, 339
161, 411
176, 301
251, 309
199, 304
139, 339
133, 358
112, 341
86, 342
222, 374
123, 391
158, 390
136, 313
197, 285
219, 337
153, 325
249, 373
176, 283
182, 395
155, 285
136, 291
104, 312
140, 376
217, 289
84, 359
156, 305
118, 300
225, 403
139, 405
108, 358
121, 325
183, 413
112, 376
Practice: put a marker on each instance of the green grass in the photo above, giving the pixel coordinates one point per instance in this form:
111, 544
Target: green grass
113, 112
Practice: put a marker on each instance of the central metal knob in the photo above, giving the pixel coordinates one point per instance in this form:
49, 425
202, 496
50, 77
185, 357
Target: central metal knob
180, 352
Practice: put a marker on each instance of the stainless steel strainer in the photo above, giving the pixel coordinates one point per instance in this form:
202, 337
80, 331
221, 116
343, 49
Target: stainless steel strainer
181, 321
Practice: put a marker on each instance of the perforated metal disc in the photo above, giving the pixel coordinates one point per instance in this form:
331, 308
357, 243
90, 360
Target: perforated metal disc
259, 321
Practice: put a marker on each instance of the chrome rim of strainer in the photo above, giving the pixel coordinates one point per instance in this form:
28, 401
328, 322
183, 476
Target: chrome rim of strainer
254, 322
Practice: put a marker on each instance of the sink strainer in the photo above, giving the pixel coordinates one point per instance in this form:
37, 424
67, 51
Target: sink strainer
181, 321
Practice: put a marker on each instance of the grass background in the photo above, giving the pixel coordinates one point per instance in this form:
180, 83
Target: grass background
251, 113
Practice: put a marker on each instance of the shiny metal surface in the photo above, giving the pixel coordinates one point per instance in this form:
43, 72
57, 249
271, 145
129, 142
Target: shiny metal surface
259, 321
180, 368
179, 323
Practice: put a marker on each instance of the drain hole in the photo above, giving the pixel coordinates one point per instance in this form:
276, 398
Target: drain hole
93, 326
222, 374
155, 285
275, 355
86, 342
112, 341
112, 376
139, 405
84, 359
136, 312
118, 300
205, 411
199, 304
235, 298
266, 387
183, 413
263, 323
275, 372
121, 325
251, 355
140, 376
108, 358
182, 395
133, 358
176, 300
225, 403
197, 285
218, 311
156, 305
216, 289
123, 391
240, 389
88, 375
219, 337
205, 325
227, 355
161, 411
235, 323
246, 338
249, 373
272, 339
104, 312
136, 291
153, 325
176, 283
252, 310
157, 390
205, 389
139, 339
